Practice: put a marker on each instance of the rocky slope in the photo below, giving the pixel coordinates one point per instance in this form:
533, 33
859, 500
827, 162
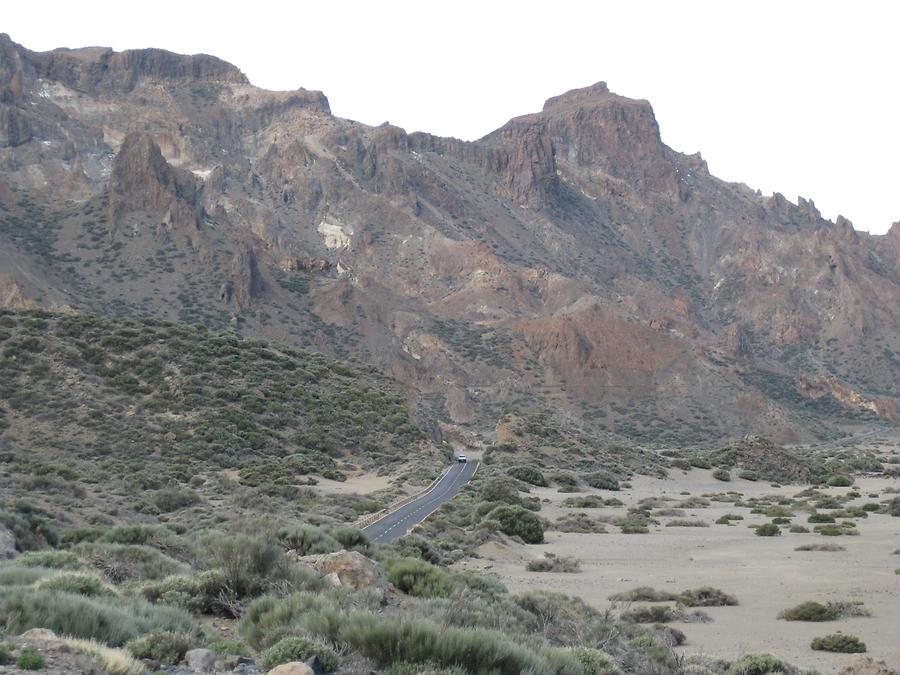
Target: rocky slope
568, 262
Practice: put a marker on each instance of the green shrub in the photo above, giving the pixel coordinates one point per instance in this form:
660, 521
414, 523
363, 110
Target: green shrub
706, 596
59, 560
249, 564
894, 507
23, 576
839, 642
810, 611
759, 664
798, 529
174, 498
767, 530
722, 475
602, 481
351, 538
595, 662
307, 540
840, 481
516, 521
419, 578
500, 489
387, 640
829, 530
528, 474
644, 594
747, 474
553, 563
6, 650
29, 659
80, 583
820, 518
229, 648
204, 593
650, 614
299, 648
162, 646
126, 562
108, 620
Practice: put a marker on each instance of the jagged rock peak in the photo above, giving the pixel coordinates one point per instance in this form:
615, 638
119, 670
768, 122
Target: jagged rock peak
593, 92
93, 69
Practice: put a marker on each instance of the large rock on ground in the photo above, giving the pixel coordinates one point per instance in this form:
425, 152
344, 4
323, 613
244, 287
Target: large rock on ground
292, 668
7, 544
349, 569
200, 660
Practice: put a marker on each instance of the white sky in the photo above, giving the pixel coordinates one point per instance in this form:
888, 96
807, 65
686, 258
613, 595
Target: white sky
794, 96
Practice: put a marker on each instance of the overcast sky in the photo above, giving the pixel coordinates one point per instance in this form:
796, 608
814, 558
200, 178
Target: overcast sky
791, 96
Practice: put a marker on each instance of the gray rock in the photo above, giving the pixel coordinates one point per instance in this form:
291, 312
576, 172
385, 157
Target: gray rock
200, 660
7, 544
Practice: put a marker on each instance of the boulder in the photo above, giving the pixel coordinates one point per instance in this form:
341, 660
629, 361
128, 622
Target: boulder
349, 569
7, 544
39, 635
292, 668
200, 660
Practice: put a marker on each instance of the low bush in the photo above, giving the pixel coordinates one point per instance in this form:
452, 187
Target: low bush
163, 646
643, 594
229, 648
578, 522
23, 576
174, 498
810, 611
553, 563
299, 648
516, 521
602, 481
249, 564
126, 562
79, 583
30, 659
840, 481
419, 578
595, 662
307, 540
727, 518
820, 518
820, 547
706, 596
722, 475
113, 661
839, 642
759, 664
684, 522
528, 474
204, 593
6, 651
798, 529
58, 560
108, 620
747, 474
830, 530
767, 530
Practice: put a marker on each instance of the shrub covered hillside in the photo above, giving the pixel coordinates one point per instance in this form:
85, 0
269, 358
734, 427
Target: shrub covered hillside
131, 418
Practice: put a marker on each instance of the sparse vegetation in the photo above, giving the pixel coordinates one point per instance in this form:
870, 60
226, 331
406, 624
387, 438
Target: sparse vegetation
839, 642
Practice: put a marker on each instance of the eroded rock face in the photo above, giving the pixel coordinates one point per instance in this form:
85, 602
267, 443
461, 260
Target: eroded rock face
569, 255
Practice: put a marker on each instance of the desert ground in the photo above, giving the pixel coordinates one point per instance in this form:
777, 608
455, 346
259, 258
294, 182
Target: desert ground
766, 574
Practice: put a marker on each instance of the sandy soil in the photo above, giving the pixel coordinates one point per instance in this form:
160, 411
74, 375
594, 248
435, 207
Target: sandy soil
765, 573
361, 484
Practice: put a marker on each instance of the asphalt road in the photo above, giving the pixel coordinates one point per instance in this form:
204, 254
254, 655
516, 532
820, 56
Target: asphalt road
395, 524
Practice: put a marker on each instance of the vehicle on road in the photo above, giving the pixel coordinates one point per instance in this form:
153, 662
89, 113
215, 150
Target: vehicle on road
461, 459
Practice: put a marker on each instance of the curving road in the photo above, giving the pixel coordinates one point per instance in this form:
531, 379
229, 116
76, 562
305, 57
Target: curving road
395, 524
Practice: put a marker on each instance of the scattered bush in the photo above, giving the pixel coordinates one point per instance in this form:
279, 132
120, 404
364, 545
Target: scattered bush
249, 564
810, 611
229, 648
174, 498
643, 594
840, 481
30, 659
602, 481
820, 518
113, 661
79, 583
722, 475
516, 521
767, 530
595, 662
839, 642
528, 474
706, 596
5, 653
552, 563
111, 621
683, 522
419, 578
759, 664
299, 648
162, 646
307, 540
820, 547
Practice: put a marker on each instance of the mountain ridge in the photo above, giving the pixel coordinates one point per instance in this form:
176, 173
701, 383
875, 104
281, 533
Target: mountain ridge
569, 260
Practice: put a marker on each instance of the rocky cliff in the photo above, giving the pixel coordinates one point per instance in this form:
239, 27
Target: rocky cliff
568, 262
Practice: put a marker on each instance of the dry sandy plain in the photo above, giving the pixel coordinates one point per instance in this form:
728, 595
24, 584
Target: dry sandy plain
766, 574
